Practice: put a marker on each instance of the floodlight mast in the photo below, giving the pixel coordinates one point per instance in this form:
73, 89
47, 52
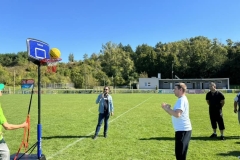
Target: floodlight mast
172, 76
172, 70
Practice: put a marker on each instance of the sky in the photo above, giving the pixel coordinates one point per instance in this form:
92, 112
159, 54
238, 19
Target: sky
83, 26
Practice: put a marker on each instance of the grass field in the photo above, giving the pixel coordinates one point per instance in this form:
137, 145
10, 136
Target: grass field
140, 129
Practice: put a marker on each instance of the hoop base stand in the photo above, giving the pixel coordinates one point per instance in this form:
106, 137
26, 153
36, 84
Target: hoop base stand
28, 157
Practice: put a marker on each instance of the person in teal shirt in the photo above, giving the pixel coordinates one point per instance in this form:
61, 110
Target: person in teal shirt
4, 150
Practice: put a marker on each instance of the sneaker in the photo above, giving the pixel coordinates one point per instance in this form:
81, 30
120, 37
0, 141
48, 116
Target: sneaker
213, 135
222, 138
105, 135
94, 137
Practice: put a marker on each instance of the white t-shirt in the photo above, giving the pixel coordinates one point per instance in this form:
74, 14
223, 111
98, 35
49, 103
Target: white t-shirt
182, 123
236, 98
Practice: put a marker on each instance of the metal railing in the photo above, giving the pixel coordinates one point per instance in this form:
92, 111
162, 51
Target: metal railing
112, 91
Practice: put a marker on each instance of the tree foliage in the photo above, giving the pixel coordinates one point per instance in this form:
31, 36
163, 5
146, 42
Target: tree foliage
116, 64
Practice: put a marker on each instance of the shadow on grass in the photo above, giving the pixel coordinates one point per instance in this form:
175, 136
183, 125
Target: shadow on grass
192, 138
231, 153
67, 137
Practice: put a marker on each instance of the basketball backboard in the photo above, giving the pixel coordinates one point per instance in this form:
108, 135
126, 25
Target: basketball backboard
37, 50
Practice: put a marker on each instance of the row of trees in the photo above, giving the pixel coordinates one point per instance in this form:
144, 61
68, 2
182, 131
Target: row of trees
116, 64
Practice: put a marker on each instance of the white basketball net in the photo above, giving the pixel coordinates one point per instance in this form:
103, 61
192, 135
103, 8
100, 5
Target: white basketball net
51, 64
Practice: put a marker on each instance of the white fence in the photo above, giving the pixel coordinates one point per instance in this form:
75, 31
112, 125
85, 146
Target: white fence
113, 91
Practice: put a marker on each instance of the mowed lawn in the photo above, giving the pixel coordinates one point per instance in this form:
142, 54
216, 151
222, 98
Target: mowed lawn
139, 129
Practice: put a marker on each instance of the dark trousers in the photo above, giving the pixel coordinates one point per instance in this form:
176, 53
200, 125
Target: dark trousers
102, 116
216, 117
182, 139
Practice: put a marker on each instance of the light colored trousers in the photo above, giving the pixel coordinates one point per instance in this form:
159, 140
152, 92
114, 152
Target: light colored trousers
4, 152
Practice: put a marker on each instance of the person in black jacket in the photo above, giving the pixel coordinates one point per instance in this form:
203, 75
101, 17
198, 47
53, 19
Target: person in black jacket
215, 100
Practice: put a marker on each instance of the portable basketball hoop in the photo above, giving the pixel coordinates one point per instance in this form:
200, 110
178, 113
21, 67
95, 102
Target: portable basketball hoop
38, 53
50, 63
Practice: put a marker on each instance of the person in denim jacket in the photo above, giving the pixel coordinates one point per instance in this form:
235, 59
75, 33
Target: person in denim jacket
105, 109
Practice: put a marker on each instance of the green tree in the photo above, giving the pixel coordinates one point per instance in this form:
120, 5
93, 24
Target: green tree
146, 60
116, 63
71, 57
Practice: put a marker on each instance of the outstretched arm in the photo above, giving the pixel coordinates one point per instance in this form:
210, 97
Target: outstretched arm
8, 126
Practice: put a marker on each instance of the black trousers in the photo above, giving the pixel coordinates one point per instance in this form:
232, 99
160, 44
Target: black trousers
216, 117
182, 139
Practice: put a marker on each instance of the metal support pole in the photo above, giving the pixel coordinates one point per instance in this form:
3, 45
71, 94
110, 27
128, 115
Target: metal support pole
39, 126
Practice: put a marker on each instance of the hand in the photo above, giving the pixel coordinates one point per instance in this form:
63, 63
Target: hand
112, 113
235, 110
24, 125
165, 106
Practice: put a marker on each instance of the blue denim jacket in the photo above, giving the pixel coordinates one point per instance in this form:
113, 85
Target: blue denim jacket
100, 100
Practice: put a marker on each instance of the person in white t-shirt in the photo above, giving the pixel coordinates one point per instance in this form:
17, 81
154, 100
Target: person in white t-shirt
237, 105
181, 121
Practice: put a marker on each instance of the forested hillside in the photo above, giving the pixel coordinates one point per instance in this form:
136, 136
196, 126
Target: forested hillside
116, 64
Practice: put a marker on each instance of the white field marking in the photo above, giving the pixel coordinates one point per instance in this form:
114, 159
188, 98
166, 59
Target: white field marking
80, 139
91, 109
129, 110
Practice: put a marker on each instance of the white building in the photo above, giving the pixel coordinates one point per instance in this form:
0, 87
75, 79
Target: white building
158, 83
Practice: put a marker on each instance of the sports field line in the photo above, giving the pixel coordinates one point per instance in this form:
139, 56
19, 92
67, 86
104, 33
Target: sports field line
89, 110
80, 139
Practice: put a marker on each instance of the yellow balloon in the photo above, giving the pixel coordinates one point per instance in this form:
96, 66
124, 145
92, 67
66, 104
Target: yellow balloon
55, 53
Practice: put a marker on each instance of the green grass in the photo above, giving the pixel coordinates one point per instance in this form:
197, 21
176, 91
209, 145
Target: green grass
140, 129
